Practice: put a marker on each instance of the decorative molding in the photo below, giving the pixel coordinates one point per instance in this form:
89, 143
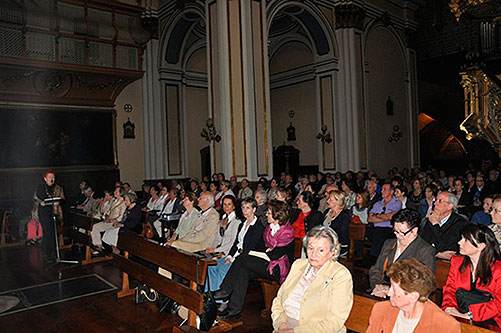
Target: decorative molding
42, 82
349, 16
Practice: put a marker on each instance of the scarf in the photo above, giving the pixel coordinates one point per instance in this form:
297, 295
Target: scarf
284, 236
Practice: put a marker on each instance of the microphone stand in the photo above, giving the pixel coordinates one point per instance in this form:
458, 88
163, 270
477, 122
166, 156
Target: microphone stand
58, 254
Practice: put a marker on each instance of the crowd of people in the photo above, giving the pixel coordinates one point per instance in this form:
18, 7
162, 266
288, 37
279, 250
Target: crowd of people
412, 217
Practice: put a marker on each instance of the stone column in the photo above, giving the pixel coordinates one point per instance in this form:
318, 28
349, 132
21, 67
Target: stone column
239, 87
350, 131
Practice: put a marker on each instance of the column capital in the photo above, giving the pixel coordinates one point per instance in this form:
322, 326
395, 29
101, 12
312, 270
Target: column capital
349, 16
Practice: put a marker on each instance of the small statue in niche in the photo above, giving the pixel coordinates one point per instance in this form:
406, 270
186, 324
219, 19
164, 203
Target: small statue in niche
129, 129
291, 133
389, 107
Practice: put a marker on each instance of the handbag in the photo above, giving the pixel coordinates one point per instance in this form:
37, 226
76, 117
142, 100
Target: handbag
145, 294
209, 313
465, 298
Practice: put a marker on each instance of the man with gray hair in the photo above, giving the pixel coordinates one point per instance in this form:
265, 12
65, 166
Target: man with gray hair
261, 197
203, 232
442, 229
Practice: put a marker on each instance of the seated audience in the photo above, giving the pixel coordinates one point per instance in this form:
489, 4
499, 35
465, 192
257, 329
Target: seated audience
407, 244
249, 234
442, 228
204, 230
477, 269
188, 218
90, 204
317, 295
305, 217
131, 221
372, 188
225, 190
172, 205
417, 194
496, 218
380, 215
104, 206
128, 189
463, 197
401, 195
228, 229
480, 191
261, 198
483, 216
360, 210
322, 205
272, 261
409, 309
426, 204
245, 191
234, 185
337, 217
114, 216
349, 187
272, 191
154, 203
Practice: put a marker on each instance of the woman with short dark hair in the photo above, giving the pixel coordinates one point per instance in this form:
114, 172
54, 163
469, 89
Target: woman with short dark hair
305, 217
271, 260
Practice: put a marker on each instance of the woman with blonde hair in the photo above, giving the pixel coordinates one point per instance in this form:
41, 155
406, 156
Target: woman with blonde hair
337, 217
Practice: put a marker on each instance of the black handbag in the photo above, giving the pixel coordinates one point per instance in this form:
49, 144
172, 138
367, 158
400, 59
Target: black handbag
209, 313
465, 298
145, 294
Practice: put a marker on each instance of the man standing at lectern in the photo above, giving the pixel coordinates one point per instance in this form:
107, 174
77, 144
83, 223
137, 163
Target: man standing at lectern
47, 212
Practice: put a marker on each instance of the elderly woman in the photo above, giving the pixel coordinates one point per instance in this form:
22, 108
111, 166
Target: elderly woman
187, 220
409, 309
337, 217
261, 197
478, 267
318, 293
407, 244
131, 221
271, 260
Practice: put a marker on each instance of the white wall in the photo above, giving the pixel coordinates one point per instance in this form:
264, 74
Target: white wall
386, 77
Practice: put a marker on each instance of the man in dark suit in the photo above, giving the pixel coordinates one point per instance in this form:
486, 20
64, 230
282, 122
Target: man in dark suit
442, 229
479, 194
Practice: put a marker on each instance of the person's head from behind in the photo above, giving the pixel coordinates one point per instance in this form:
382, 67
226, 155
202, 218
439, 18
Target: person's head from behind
278, 212
411, 282
321, 244
406, 225
283, 195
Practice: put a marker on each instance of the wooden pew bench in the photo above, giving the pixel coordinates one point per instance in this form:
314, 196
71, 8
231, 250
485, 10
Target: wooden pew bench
270, 288
358, 321
78, 230
189, 266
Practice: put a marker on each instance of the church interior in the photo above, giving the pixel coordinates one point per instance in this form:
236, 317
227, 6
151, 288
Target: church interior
167, 93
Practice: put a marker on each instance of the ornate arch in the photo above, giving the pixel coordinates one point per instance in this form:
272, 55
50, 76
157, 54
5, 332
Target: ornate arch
311, 11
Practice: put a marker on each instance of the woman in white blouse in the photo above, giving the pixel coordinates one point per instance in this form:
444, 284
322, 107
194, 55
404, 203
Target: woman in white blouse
154, 204
317, 295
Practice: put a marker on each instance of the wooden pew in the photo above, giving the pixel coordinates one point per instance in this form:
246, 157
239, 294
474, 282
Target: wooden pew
76, 221
358, 321
270, 288
191, 267
356, 233
441, 273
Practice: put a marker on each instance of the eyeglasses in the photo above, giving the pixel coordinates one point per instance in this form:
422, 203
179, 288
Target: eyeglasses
495, 210
402, 233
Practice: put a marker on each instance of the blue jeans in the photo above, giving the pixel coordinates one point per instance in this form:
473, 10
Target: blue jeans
217, 274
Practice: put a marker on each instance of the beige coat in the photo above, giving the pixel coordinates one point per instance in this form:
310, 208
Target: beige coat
203, 233
326, 303
117, 210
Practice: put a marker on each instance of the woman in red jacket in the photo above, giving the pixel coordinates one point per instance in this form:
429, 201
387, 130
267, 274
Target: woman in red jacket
479, 267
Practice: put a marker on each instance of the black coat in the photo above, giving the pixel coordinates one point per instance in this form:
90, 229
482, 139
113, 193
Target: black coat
312, 220
340, 224
446, 237
252, 238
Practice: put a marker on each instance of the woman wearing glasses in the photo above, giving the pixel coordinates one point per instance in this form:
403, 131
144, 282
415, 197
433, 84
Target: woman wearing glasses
407, 244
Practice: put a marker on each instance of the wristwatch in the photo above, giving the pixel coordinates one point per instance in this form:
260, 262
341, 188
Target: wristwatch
470, 315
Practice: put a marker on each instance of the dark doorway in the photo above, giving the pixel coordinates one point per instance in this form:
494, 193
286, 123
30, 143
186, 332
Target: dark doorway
205, 161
